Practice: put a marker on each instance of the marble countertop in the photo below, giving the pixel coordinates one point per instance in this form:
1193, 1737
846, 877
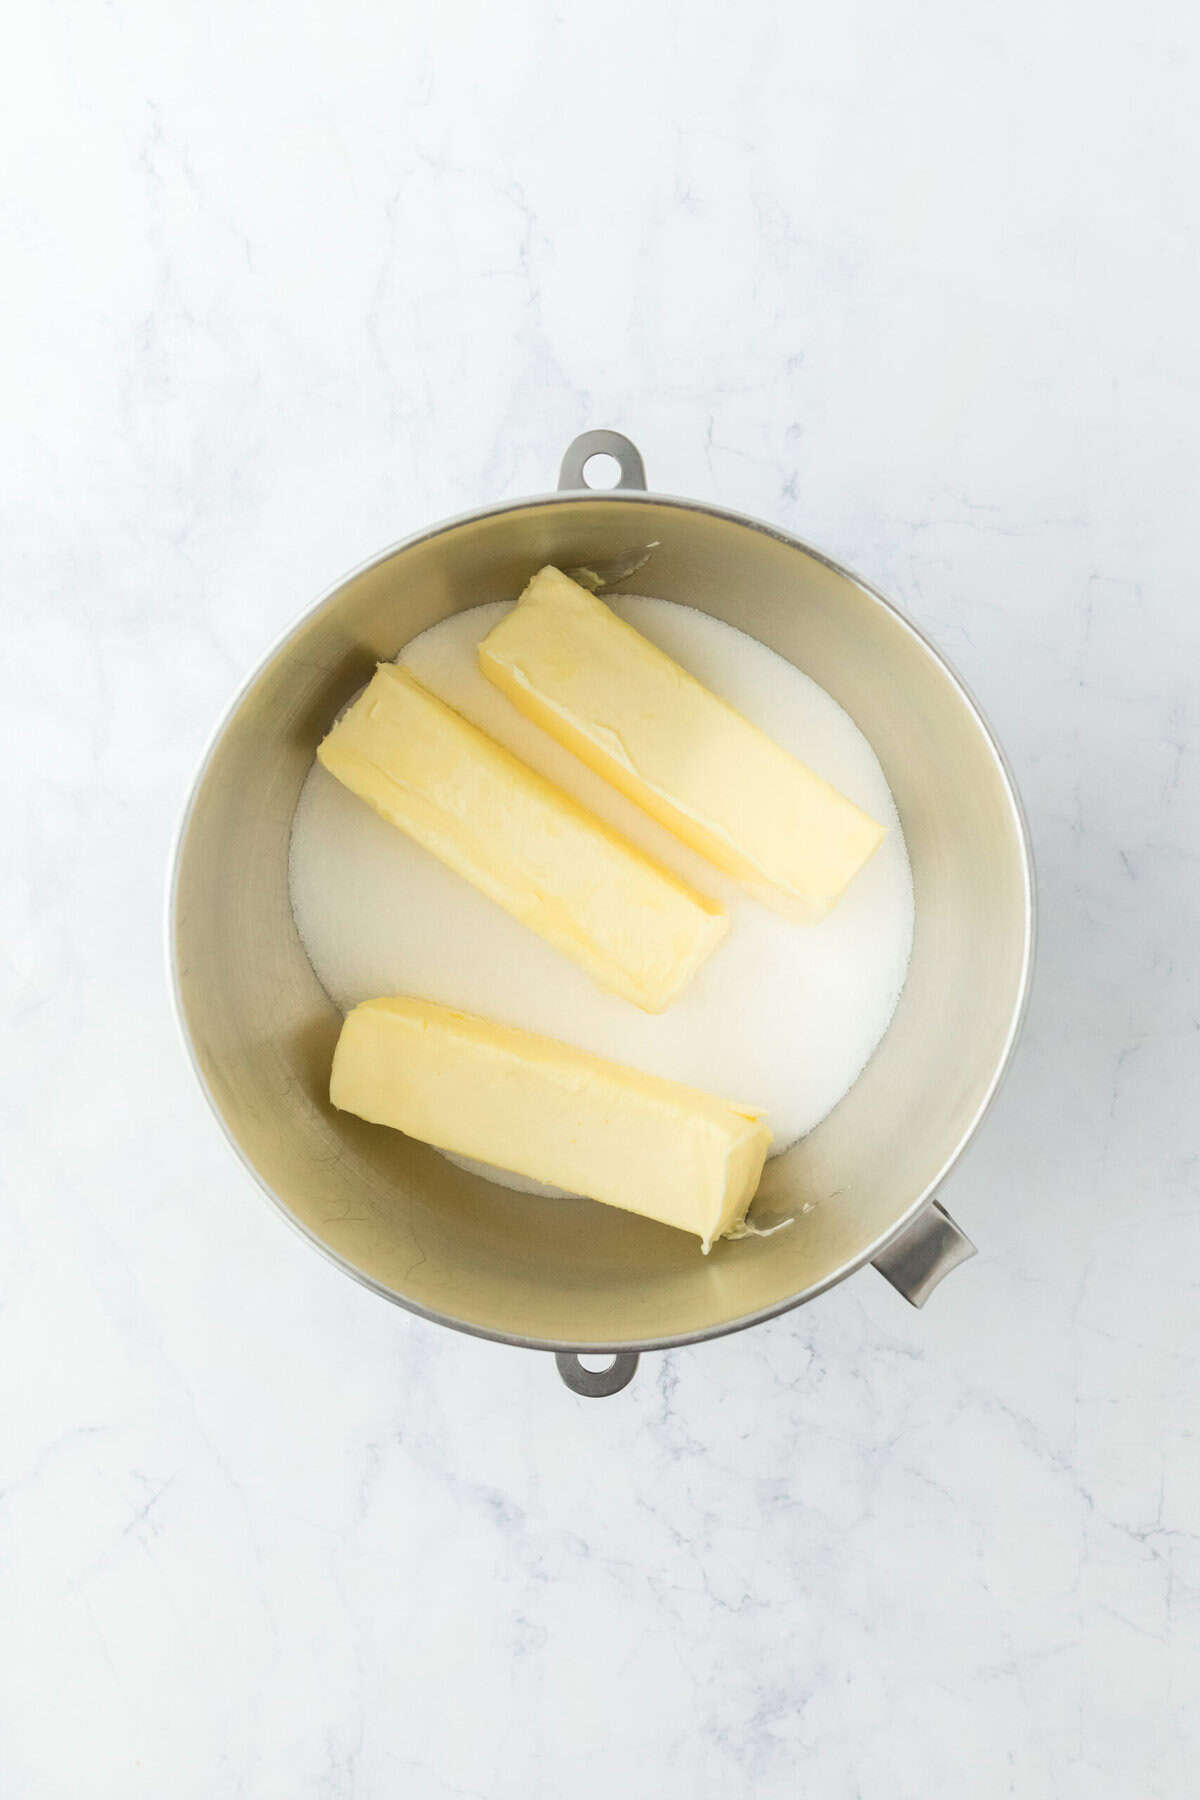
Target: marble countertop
283, 284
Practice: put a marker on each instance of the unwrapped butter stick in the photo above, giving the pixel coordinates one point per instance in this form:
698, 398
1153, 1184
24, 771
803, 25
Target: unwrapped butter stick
551, 1112
687, 758
631, 924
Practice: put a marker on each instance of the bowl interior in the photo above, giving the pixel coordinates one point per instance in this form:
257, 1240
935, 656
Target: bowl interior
574, 1274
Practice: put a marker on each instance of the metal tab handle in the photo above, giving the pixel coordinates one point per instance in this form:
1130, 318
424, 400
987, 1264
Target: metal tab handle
602, 443
595, 1384
924, 1254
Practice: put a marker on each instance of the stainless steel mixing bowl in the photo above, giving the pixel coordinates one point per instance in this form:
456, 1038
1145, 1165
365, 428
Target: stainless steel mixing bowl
574, 1277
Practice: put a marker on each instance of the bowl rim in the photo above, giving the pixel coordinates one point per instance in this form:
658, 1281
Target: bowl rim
603, 497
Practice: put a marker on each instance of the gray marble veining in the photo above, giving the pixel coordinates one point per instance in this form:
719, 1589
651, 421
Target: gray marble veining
281, 287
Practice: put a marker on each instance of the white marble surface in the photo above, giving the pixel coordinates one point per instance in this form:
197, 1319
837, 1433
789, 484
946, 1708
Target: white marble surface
282, 283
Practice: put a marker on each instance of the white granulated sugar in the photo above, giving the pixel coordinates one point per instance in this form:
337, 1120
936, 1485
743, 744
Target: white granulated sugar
782, 1016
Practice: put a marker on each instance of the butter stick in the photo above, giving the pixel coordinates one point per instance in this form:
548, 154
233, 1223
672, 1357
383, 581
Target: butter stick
551, 1112
685, 756
631, 924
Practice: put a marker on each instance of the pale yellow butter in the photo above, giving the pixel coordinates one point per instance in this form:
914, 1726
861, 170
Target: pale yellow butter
631, 924
551, 1112
686, 757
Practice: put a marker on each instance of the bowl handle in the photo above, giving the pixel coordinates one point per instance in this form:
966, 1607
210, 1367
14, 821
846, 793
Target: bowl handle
924, 1254
602, 443
914, 1264
596, 1383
